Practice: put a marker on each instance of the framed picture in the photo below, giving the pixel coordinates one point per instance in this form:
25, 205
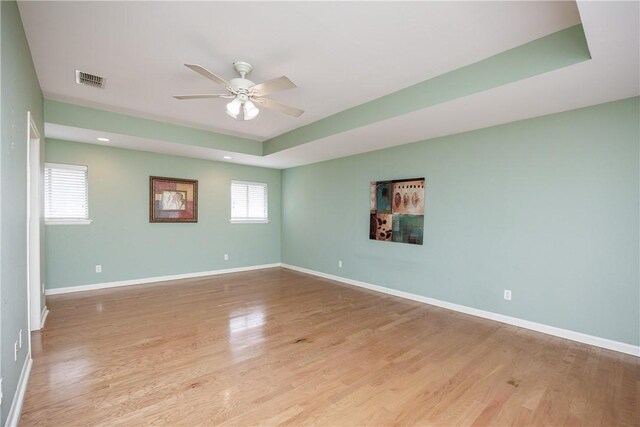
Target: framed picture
396, 212
173, 199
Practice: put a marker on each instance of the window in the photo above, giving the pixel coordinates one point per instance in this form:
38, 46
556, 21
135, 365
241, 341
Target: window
65, 194
249, 202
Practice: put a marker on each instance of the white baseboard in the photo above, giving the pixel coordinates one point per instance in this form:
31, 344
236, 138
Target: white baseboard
18, 398
43, 316
93, 287
538, 327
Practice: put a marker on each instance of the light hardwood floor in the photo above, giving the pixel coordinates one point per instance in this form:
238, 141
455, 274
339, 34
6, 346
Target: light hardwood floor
280, 347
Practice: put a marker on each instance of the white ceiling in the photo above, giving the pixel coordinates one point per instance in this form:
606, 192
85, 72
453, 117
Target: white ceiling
340, 54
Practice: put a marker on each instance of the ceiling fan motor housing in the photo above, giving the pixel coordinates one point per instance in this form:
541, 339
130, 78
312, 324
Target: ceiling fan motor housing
240, 84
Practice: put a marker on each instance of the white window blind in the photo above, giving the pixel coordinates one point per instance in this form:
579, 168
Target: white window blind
65, 192
249, 202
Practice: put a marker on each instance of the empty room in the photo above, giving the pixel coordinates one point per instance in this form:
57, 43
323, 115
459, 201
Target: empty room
323, 213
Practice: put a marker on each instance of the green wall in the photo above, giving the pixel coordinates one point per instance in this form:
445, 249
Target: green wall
546, 207
20, 92
127, 246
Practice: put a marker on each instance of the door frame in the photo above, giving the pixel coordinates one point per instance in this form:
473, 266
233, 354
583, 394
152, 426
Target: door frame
35, 290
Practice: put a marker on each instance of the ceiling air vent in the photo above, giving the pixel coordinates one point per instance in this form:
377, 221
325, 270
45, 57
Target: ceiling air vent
87, 79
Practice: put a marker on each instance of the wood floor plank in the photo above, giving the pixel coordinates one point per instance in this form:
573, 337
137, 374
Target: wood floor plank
278, 347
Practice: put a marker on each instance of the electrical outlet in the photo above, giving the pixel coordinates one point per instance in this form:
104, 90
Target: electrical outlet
339, 264
98, 269
15, 351
226, 257
42, 288
20, 339
507, 294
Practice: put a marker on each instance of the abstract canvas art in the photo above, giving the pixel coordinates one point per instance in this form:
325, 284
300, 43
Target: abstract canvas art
397, 210
173, 199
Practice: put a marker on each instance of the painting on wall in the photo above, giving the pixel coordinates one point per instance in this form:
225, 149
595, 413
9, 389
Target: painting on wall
397, 210
173, 199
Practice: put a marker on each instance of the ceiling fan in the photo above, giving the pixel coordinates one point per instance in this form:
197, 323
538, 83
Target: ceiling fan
245, 94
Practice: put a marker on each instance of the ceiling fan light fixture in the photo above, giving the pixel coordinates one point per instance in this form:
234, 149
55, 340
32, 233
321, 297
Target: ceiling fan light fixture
250, 110
233, 108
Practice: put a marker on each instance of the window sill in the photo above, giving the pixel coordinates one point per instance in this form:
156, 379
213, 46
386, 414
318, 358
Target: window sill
249, 221
68, 222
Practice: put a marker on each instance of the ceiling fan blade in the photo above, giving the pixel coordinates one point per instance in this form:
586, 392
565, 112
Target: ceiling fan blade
203, 96
208, 74
273, 105
272, 86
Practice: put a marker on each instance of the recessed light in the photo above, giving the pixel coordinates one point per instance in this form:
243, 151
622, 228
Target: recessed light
103, 139
227, 157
